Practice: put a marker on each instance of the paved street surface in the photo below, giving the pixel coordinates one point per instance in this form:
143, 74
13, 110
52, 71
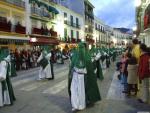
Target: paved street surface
52, 97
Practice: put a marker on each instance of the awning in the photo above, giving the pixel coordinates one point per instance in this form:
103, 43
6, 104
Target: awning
44, 5
54, 10
35, 1
14, 38
42, 40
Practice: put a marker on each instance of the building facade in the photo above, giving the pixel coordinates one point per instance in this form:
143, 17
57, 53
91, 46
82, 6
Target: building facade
13, 24
29, 24
70, 25
99, 32
40, 15
143, 22
120, 38
89, 21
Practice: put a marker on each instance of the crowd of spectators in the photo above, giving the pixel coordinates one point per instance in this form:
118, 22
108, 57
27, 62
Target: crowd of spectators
134, 68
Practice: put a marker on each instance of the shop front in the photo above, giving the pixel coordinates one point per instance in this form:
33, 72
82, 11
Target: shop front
12, 42
43, 42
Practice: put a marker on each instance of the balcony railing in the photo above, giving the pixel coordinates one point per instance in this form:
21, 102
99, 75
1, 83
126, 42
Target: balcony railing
42, 31
89, 30
72, 24
100, 30
18, 3
40, 12
20, 29
5, 26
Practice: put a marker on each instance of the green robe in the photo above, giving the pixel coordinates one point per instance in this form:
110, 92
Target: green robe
91, 87
13, 69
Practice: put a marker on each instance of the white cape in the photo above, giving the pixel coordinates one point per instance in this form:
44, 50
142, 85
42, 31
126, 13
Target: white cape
3, 73
46, 72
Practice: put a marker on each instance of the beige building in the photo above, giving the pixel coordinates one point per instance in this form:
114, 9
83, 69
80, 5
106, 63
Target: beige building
13, 24
143, 22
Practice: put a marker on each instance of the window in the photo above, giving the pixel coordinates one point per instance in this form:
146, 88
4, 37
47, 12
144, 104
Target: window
65, 15
71, 34
44, 25
99, 27
77, 34
95, 25
65, 33
71, 20
77, 22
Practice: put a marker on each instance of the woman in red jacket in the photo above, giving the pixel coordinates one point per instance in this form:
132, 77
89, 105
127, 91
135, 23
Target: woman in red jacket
144, 73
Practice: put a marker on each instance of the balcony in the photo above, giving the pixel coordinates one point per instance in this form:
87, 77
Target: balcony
89, 14
8, 27
72, 24
18, 3
100, 30
40, 13
5, 26
44, 31
88, 30
20, 29
36, 31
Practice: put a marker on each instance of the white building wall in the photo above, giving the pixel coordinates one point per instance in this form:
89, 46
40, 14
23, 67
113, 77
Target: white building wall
27, 17
98, 34
59, 27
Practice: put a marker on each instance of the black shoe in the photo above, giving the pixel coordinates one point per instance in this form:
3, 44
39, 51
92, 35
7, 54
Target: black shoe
50, 78
140, 101
124, 92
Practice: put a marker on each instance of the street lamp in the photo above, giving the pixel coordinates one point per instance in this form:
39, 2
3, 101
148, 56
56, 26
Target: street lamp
134, 36
33, 40
134, 28
86, 26
65, 19
137, 3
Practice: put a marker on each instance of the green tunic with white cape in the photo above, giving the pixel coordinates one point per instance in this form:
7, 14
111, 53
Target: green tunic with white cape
95, 55
6, 90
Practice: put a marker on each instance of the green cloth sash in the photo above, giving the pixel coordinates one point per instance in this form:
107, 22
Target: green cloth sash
43, 63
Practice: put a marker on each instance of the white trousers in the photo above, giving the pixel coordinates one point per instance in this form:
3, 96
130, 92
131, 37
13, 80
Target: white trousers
45, 73
6, 99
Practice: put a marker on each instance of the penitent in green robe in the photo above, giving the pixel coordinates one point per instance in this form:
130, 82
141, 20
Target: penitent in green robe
13, 68
6, 85
91, 87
